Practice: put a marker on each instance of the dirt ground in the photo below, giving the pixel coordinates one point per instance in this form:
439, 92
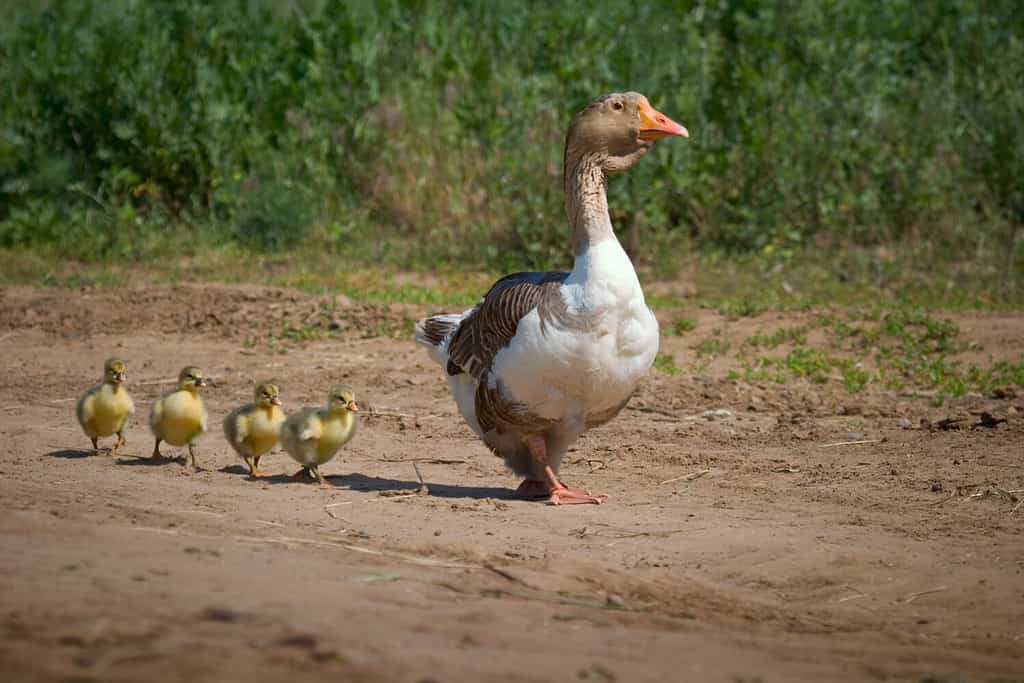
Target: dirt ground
755, 543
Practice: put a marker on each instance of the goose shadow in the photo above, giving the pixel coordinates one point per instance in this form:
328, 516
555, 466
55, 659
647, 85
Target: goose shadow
365, 484
73, 453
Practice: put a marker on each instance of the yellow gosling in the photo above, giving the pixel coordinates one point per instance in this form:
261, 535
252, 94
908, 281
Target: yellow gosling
179, 417
314, 435
105, 409
252, 429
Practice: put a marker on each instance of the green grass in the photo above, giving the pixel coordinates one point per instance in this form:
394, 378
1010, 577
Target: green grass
783, 335
897, 346
829, 146
679, 326
665, 363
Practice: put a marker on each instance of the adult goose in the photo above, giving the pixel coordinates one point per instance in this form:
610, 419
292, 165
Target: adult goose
545, 356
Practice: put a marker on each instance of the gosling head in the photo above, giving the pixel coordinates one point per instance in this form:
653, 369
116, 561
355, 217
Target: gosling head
618, 129
267, 394
342, 399
191, 378
115, 371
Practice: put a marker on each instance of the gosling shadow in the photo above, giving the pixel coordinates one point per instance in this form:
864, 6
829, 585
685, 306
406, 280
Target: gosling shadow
149, 461
73, 453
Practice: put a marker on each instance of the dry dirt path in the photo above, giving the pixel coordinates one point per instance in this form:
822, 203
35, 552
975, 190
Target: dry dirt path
789, 559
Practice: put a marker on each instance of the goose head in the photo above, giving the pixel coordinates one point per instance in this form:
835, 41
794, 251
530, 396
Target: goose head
342, 399
115, 371
266, 395
618, 129
191, 378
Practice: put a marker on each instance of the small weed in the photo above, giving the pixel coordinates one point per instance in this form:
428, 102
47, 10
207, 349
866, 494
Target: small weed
740, 307
680, 326
795, 335
712, 346
665, 363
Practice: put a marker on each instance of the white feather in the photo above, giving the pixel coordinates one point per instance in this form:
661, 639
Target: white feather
563, 373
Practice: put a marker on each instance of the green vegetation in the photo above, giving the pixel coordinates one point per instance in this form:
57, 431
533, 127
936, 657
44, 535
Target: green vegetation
897, 346
427, 135
666, 364
679, 326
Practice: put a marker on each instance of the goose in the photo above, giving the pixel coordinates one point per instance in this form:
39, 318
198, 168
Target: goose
315, 435
104, 410
544, 356
179, 416
253, 428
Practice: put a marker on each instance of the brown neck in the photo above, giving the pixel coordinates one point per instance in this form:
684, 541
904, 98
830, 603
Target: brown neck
586, 204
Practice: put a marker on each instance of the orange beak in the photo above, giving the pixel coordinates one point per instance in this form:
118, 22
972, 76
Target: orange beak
654, 125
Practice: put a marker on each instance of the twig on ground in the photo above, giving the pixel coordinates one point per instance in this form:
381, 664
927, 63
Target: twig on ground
268, 522
505, 575
150, 382
786, 469
850, 443
332, 515
393, 413
393, 495
652, 534
948, 498
660, 411
910, 597
686, 477
423, 490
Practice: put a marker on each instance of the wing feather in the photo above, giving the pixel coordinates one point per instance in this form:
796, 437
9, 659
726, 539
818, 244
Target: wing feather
490, 326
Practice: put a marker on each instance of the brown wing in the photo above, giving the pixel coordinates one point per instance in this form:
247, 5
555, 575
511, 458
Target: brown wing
492, 323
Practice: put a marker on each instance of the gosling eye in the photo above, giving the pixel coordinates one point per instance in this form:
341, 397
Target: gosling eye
616, 105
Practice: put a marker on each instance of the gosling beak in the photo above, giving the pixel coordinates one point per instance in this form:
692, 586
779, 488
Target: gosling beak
654, 125
276, 401
203, 382
353, 406
120, 377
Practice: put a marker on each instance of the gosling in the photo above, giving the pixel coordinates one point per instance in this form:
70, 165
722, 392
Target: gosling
104, 410
179, 417
315, 435
252, 429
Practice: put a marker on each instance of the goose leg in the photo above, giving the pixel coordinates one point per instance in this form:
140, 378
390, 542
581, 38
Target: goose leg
558, 493
192, 456
256, 467
121, 441
156, 451
95, 444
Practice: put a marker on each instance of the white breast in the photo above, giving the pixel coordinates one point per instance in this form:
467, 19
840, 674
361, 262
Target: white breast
565, 372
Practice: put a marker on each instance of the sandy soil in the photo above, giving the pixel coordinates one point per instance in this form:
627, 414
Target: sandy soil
795, 557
